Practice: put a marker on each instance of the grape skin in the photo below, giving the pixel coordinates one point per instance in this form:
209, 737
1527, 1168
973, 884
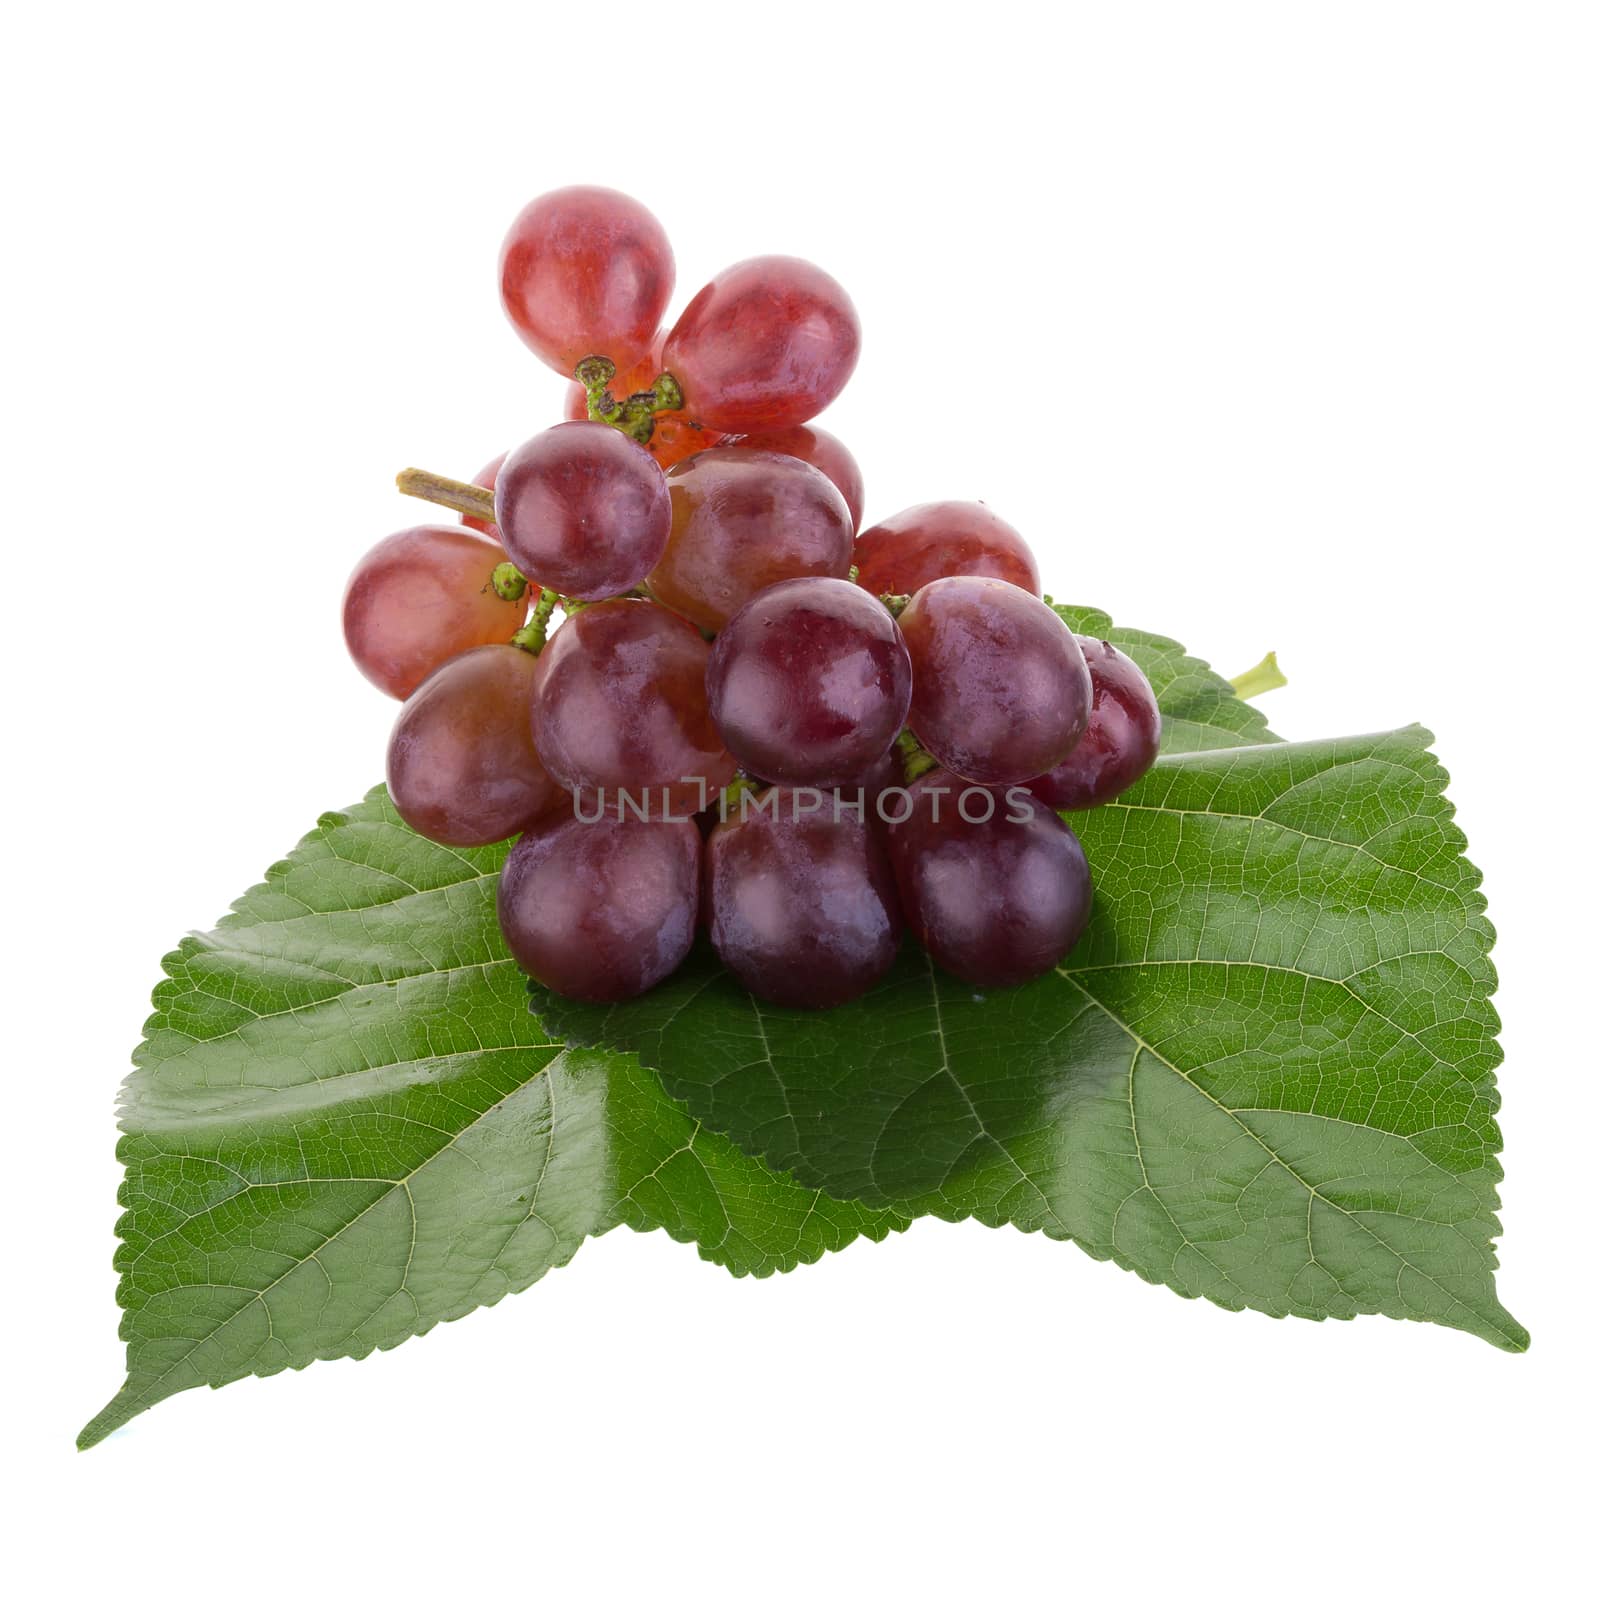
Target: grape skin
865, 788
802, 907
586, 271
997, 900
768, 343
601, 910
743, 520
421, 596
943, 539
823, 451
809, 682
619, 708
582, 510
1121, 741
462, 767
1000, 690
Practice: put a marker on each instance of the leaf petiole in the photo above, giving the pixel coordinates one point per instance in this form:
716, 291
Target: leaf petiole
1264, 675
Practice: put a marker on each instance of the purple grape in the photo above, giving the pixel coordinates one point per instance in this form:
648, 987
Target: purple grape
995, 900
619, 707
601, 910
816, 445
462, 766
1121, 742
743, 520
801, 901
1001, 692
582, 510
867, 786
809, 682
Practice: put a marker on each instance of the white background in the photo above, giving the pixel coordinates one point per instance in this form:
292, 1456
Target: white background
1269, 325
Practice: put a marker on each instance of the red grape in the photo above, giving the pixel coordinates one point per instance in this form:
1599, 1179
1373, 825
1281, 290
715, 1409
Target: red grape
809, 682
1121, 742
421, 596
582, 510
826, 453
741, 521
802, 903
766, 344
1001, 693
485, 477
943, 539
619, 707
675, 438
586, 271
462, 766
601, 910
994, 900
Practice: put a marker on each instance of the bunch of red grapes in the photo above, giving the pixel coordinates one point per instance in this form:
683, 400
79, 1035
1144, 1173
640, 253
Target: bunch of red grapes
754, 718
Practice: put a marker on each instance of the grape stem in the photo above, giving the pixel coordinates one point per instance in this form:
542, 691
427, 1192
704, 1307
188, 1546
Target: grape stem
914, 760
635, 416
507, 582
894, 604
1264, 675
731, 797
531, 635
468, 498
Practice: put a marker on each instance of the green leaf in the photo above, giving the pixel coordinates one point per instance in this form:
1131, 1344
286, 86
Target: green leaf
1270, 1081
345, 1127
1265, 1076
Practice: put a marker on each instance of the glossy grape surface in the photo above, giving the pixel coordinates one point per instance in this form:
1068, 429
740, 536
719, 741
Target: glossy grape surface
884, 773
943, 539
802, 908
676, 436
421, 596
485, 477
741, 521
601, 910
1000, 690
768, 343
462, 768
828, 455
809, 682
620, 707
997, 901
586, 271
582, 510
1121, 742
